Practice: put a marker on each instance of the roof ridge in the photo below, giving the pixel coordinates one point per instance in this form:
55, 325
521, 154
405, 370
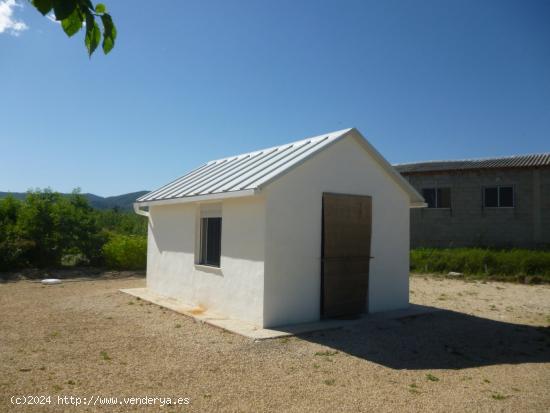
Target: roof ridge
301, 141
246, 171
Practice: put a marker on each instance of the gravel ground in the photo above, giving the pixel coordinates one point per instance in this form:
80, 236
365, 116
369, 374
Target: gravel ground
489, 352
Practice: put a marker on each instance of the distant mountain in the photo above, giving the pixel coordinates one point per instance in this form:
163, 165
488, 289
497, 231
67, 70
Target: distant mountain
123, 201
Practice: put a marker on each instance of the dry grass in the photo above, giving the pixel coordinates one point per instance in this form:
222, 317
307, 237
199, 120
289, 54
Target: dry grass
490, 353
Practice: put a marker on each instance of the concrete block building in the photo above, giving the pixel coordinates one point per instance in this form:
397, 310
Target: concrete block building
499, 202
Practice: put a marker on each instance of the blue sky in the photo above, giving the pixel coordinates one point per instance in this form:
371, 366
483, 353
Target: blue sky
190, 81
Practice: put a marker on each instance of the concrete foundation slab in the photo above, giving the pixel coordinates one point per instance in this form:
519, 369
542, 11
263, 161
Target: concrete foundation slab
256, 333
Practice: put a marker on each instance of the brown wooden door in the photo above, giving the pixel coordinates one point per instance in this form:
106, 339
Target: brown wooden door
347, 223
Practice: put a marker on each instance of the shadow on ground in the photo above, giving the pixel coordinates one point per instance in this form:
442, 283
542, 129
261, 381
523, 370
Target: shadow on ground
440, 340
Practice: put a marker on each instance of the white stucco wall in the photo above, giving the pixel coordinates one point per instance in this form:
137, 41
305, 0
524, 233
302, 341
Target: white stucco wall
293, 233
236, 289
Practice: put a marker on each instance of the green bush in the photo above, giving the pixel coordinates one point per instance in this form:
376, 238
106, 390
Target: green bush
126, 252
122, 222
513, 264
48, 230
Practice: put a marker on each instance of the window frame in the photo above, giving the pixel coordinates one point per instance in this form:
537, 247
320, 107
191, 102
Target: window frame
204, 243
498, 187
205, 212
436, 197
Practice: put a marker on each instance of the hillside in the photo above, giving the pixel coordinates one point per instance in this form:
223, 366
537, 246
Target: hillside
123, 201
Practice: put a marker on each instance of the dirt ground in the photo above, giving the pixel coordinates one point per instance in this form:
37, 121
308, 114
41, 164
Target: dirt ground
489, 350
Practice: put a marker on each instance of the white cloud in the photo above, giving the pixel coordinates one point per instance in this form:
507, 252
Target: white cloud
8, 24
51, 17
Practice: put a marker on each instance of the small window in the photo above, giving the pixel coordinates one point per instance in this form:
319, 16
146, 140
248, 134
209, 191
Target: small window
498, 197
491, 197
506, 196
437, 197
429, 197
443, 197
211, 241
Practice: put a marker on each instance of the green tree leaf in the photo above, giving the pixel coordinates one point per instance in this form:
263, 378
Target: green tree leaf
93, 34
109, 33
86, 4
71, 14
63, 8
73, 23
43, 6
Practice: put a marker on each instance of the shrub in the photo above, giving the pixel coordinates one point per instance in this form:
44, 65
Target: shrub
128, 252
121, 222
512, 265
47, 229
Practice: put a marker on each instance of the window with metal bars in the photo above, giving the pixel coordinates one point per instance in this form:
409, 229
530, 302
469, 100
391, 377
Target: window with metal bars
211, 241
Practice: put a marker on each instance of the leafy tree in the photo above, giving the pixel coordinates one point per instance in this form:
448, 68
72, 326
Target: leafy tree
56, 226
35, 224
12, 247
74, 14
9, 207
121, 222
48, 229
76, 229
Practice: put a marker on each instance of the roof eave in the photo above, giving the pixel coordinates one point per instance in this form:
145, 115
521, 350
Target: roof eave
418, 205
473, 169
198, 198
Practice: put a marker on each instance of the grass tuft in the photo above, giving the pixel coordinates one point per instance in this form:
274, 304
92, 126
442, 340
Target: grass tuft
498, 396
326, 353
431, 377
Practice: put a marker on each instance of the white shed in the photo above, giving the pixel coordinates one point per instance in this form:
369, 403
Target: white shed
313, 229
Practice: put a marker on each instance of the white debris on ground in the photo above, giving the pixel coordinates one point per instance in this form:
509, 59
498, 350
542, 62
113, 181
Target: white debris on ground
51, 281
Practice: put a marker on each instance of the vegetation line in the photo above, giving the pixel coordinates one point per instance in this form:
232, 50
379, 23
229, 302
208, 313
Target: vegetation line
518, 265
48, 229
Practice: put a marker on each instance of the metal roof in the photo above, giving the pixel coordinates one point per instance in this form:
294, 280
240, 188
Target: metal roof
516, 161
248, 171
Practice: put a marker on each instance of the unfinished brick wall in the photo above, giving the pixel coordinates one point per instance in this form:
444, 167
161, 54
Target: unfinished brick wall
468, 223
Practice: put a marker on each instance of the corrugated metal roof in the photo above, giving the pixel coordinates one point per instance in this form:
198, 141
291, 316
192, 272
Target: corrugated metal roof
248, 171
516, 161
